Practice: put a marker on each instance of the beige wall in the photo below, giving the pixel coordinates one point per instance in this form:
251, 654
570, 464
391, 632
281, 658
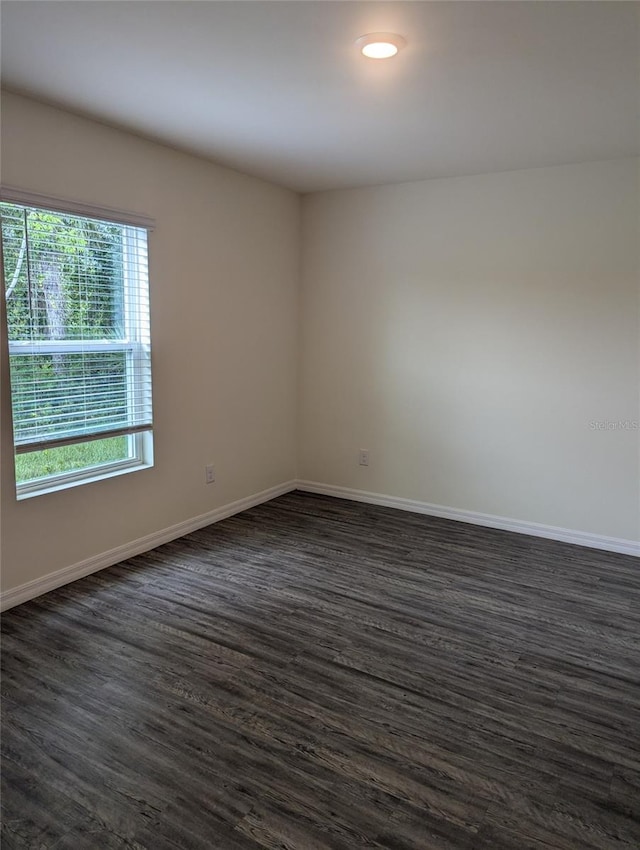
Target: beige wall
224, 264
467, 332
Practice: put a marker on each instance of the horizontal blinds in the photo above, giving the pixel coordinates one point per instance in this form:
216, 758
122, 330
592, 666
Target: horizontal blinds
78, 323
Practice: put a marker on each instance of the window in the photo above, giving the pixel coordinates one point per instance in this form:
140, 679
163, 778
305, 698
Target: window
77, 297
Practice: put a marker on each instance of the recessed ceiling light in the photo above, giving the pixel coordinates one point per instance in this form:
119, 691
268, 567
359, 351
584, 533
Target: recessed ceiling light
380, 45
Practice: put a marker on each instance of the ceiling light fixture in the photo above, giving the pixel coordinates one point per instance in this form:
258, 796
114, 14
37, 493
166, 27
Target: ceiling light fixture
380, 45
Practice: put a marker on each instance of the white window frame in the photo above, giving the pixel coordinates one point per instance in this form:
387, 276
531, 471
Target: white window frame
140, 444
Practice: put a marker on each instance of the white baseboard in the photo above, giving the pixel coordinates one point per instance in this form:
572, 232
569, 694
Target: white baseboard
38, 586
566, 535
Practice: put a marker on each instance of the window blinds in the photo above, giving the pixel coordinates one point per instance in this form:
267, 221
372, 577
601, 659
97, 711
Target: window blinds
77, 298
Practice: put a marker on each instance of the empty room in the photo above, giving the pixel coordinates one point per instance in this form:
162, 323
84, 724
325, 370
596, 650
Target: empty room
320, 425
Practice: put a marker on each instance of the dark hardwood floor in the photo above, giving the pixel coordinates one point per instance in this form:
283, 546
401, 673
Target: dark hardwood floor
316, 673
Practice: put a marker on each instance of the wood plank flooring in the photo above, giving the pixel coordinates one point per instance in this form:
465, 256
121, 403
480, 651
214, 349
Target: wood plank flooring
316, 674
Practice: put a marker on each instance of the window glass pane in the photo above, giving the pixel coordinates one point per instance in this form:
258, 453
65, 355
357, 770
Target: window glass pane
67, 393
72, 458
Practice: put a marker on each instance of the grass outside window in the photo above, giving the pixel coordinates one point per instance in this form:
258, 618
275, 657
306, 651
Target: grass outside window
56, 461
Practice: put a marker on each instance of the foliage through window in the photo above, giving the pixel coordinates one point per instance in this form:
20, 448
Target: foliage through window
77, 298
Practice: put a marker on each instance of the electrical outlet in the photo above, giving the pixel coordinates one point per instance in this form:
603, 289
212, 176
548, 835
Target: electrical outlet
363, 457
210, 473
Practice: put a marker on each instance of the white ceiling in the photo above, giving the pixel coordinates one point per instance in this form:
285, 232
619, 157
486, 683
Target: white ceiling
278, 89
